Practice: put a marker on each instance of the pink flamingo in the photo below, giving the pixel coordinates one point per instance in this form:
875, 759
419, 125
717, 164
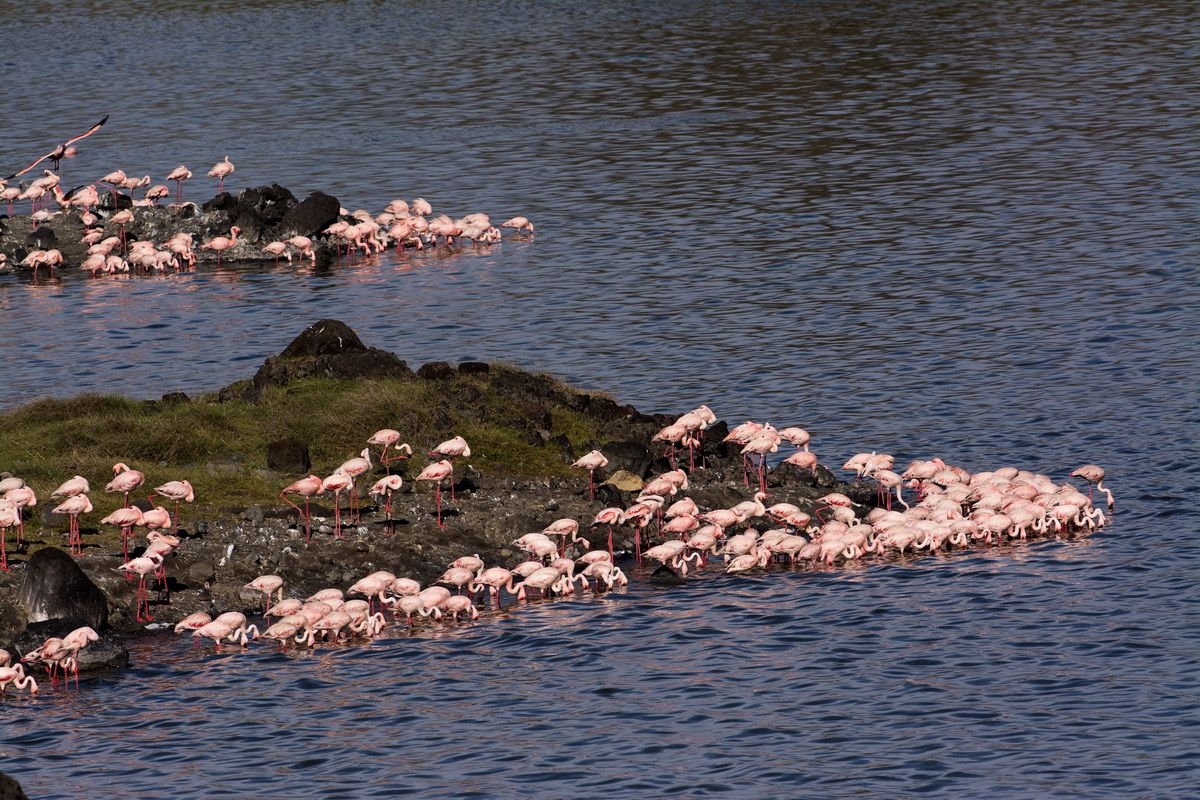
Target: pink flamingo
22, 497
179, 175
15, 676
125, 480
388, 437
220, 170
518, 223
177, 491
307, 488
386, 486
1093, 474
125, 518
142, 566
452, 449
220, 244
438, 472
268, 585
591, 462
64, 150
9, 515
278, 249
609, 516
355, 467
73, 506
337, 483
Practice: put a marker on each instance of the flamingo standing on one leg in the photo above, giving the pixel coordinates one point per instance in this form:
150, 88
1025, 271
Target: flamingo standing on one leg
609, 516
268, 585
591, 462
177, 491
125, 480
220, 170
438, 472
388, 437
219, 244
1093, 474
9, 515
125, 518
73, 506
306, 488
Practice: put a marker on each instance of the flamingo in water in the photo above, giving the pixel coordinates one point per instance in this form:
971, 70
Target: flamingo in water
219, 244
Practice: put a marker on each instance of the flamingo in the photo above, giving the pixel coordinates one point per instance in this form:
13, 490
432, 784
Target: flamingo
177, 491
386, 486
278, 249
22, 497
388, 437
438, 472
142, 566
355, 467
306, 488
336, 483
609, 516
73, 506
452, 449
72, 487
220, 244
179, 175
15, 675
518, 223
1093, 474
591, 462
64, 150
304, 245
9, 515
125, 518
125, 480
220, 170
268, 585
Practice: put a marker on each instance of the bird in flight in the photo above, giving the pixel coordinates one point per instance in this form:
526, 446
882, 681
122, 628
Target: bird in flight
64, 150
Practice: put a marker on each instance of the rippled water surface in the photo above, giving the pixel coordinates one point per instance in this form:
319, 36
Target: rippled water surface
930, 229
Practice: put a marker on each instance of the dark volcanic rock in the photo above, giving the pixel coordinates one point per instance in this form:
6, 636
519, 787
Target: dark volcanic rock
288, 455
633, 457
55, 586
308, 217
436, 371
10, 789
327, 348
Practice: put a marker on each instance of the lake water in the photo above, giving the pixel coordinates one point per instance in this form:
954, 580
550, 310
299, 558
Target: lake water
928, 229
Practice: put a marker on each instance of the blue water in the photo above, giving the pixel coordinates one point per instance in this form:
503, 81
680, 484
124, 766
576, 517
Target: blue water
922, 229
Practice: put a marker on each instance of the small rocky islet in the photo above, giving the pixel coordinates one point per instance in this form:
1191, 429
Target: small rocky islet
222, 549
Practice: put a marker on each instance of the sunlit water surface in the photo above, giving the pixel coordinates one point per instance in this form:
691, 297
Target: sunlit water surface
924, 229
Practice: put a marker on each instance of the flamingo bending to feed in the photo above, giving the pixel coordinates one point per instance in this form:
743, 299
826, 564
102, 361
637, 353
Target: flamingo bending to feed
307, 488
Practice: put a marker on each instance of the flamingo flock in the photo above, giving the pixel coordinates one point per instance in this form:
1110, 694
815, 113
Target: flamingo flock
402, 225
948, 508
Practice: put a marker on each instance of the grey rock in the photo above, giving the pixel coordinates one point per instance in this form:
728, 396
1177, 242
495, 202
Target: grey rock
54, 586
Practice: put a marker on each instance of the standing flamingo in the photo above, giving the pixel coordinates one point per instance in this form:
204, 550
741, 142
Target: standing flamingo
452, 449
591, 462
220, 170
125, 518
609, 516
142, 566
22, 497
355, 467
177, 491
438, 472
73, 506
337, 483
179, 175
388, 437
9, 515
219, 244
268, 585
306, 488
386, 486
125, 480
1093, 474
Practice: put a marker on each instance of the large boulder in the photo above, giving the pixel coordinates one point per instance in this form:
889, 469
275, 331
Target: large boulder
327, 348
308, 217
55, 587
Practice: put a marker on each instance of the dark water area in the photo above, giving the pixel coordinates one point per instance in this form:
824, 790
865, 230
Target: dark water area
926, 229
